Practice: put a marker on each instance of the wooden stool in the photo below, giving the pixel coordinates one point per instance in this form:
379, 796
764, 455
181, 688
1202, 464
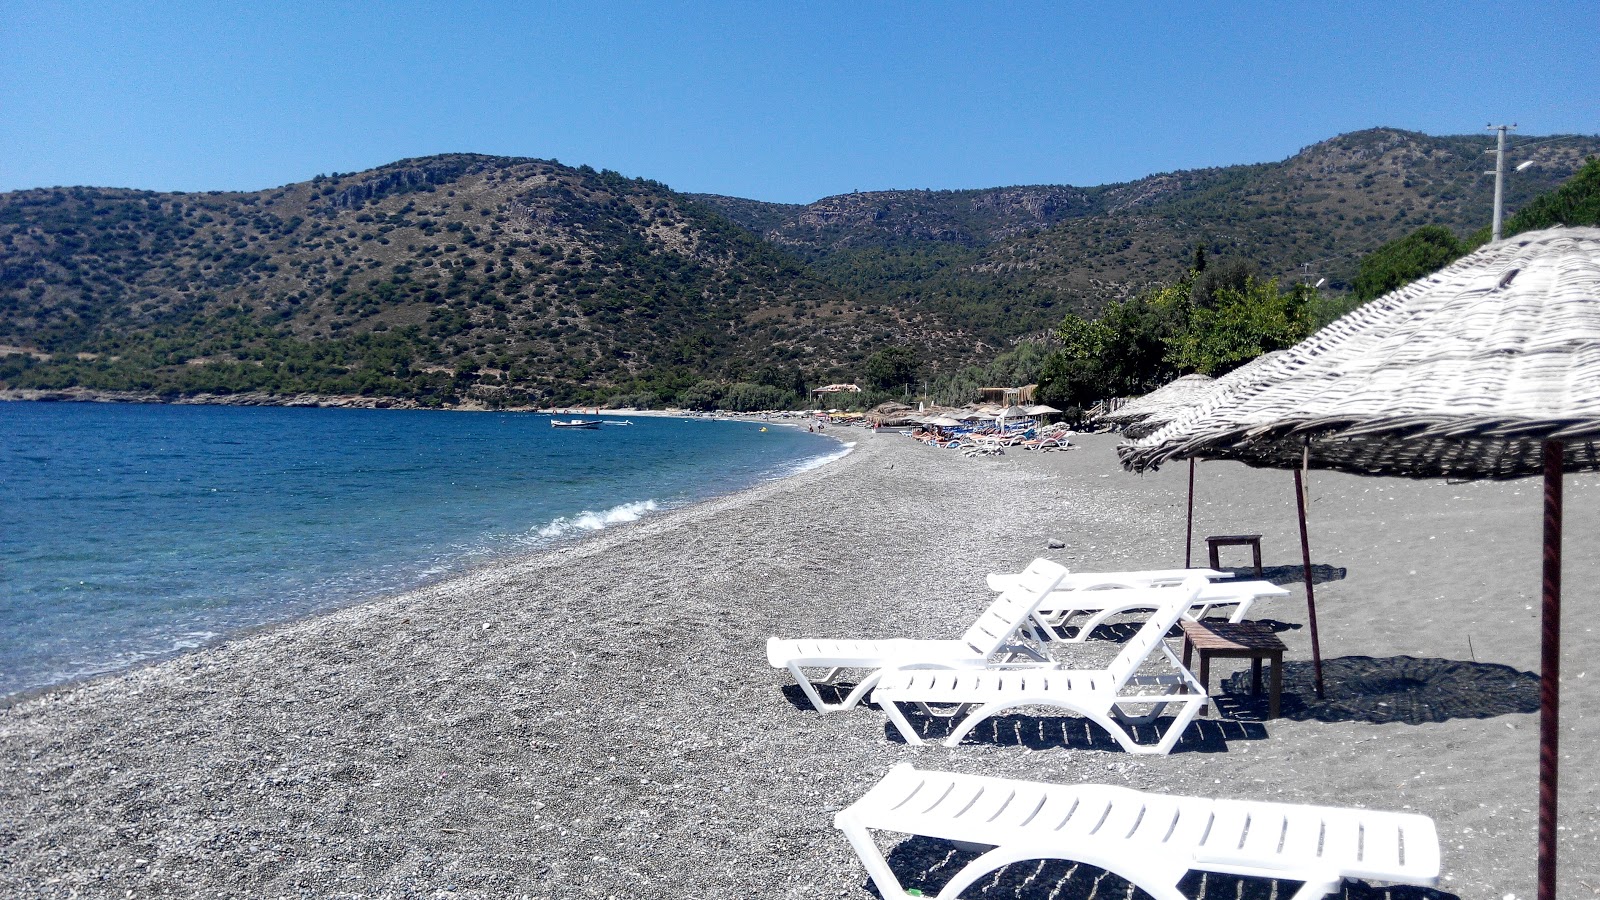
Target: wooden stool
1235, 540
1236, 640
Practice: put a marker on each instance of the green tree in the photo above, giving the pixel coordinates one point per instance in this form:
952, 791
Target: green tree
1575, 202
704, 395
1400, 262
1241, 324
746, 397
891, 368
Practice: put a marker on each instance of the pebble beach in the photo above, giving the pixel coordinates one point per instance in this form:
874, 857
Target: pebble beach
600, 721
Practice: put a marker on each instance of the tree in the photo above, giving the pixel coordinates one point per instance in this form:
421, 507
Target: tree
1239, 325
704, 395
745, 397
891, 368
1400, 262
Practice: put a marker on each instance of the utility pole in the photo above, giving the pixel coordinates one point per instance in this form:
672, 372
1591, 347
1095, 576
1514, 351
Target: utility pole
1499, 176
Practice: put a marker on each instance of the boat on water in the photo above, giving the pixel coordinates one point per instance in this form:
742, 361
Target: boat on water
623, 422
575, 423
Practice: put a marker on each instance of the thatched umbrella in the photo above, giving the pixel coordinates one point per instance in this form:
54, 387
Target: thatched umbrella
1176, 394
1158, 415
1490, 368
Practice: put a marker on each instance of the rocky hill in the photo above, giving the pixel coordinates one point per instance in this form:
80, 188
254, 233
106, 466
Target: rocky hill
440, 280
487, 280
1014, 258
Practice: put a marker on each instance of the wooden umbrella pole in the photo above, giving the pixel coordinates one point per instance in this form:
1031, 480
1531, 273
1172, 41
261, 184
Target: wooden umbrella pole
1311, 597
1188, 534
1550, 669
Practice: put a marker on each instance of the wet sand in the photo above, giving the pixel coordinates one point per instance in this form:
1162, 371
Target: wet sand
601, 722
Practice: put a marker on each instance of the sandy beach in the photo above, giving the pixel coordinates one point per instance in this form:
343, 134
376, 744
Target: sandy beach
601, 721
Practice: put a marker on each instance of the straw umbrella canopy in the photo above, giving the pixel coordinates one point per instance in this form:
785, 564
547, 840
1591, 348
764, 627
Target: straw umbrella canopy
1010, 412
1490, 368
1174, 395
1148, 423
1150, 418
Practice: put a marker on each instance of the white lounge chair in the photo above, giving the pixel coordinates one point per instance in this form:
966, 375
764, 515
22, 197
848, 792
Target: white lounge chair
1099, 695
1101, 602
993, 639
1152, 840
999, 581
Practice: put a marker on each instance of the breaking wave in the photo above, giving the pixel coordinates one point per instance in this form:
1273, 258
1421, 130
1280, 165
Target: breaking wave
594, 521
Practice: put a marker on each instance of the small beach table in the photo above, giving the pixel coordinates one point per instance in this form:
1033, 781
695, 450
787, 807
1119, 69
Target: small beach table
1253, 541
1236, 640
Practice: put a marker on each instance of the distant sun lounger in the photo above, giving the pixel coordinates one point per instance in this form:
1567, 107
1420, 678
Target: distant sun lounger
994, 639
1152, 840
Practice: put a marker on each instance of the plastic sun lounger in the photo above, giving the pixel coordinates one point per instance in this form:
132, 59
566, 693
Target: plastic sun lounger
1097, 694
992, 640
1152, 840
999, 581
1103, 601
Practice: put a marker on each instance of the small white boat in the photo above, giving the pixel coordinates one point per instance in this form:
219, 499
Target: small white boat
609, 422
575, 423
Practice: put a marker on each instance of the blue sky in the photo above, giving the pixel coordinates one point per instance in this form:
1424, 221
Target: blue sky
774, 101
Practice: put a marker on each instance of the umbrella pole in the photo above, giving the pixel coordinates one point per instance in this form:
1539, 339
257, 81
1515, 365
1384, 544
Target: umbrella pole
1550, 669
1188, 535
1311, 597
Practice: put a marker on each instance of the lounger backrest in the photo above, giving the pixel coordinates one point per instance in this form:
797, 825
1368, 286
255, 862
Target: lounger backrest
1010, 611
1155, 629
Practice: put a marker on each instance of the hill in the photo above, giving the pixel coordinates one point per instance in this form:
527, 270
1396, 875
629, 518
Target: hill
440, 280
467, 279
1010, 260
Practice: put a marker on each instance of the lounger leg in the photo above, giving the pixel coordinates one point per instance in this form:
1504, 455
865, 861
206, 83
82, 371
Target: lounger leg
1186, 716
860, 691
807, 688
1091, 623
898, 717
872, 860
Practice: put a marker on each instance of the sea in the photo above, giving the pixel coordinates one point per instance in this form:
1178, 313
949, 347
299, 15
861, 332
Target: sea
130, 532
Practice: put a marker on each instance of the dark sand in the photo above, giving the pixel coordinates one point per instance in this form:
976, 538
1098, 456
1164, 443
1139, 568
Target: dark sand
601, 722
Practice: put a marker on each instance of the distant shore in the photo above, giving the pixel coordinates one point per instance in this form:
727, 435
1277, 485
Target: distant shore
601, 720
319, 401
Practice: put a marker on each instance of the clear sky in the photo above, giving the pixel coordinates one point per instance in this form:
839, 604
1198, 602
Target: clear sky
784, 101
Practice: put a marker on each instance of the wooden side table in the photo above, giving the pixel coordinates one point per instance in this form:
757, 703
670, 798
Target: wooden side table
1236, 640
1253, 541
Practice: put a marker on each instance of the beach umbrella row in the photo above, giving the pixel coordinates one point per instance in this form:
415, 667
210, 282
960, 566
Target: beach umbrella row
1489, 368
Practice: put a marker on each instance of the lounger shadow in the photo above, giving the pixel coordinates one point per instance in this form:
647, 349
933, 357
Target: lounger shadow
927, 864
1057, 732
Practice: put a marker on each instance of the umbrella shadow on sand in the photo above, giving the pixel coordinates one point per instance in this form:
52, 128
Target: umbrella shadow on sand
928, 864
1384, 690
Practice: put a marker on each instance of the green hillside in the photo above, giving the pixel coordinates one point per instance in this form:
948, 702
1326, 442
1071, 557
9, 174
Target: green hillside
440, 280
477, 280
1009, 261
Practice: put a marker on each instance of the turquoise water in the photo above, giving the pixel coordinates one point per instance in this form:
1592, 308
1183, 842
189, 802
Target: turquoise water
133, 531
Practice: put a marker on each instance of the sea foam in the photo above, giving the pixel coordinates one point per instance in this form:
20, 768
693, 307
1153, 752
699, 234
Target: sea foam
817, 462
594, 521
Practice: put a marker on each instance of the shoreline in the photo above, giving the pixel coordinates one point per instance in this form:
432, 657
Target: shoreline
583, 723
330, 401
565, 542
